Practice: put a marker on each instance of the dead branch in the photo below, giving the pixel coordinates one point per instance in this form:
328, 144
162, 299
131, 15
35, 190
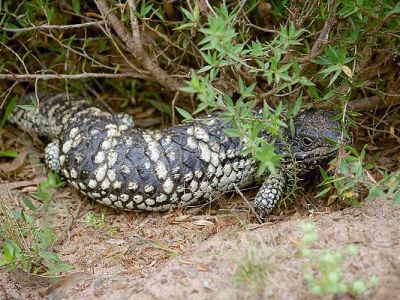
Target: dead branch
365, 104
370, 103
25, 77
133, 43
48, 26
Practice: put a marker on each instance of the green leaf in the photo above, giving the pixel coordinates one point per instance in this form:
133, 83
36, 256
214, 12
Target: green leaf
185, 114
28, 203
145, 9
202, 106
334, 77
204, 69
349, 185
49, 256
297, 105
292, 128
268, 158
50, 14
305, 81
396, 9
314, 93
46, 236
256, 49
188, 14
324, 173
374, 193
76, 6
233, 132
8, 250
328, 95
8, 153
31, 106
10, 106
396, 198
161, 106
193, 86
326, 72
57, 269
188, 89
323, 192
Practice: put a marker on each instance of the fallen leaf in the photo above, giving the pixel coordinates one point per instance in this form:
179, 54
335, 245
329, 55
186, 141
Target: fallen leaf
149, 122
203, 223
392, 130
181, 218
16, 163
347, 71
331, 199
203, 268
144, 115
66, 285
349, 194
8, 186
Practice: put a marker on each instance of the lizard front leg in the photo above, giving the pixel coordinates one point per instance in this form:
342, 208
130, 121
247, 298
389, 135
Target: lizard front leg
269, 194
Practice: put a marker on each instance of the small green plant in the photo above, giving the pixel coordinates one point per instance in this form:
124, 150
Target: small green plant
167, 249
323, 270
47, 188
28, 241
352, 179
344, 183
222, 49
95, 220
98, 221
225, 48
252, 270
388, 188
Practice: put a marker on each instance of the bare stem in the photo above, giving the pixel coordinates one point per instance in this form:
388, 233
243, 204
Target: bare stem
68, 76
48, 26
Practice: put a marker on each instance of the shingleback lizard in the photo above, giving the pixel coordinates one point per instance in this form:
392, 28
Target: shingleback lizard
109, 160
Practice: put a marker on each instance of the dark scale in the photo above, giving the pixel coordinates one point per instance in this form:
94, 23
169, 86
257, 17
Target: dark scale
105, 157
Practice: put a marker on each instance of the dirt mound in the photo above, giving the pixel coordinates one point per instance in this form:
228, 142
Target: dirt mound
211, 269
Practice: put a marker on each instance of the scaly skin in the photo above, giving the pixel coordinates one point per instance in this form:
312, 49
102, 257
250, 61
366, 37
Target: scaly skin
107, 159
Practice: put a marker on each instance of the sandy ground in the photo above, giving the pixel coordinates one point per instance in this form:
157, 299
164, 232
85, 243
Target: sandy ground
183, 255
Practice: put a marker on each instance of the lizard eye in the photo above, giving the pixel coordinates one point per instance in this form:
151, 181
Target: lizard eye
307, 141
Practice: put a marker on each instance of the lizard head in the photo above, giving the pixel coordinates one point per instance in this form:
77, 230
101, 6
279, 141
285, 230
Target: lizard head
315, 137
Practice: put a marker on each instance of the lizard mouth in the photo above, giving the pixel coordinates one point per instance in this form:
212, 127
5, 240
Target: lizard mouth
314, 156
311, 160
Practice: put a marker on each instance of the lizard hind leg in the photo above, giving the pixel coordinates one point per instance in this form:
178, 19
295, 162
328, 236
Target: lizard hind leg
52, 156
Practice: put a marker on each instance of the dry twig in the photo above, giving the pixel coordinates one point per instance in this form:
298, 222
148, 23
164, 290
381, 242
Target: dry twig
24, 77
48, 26
248, 203
133, 43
